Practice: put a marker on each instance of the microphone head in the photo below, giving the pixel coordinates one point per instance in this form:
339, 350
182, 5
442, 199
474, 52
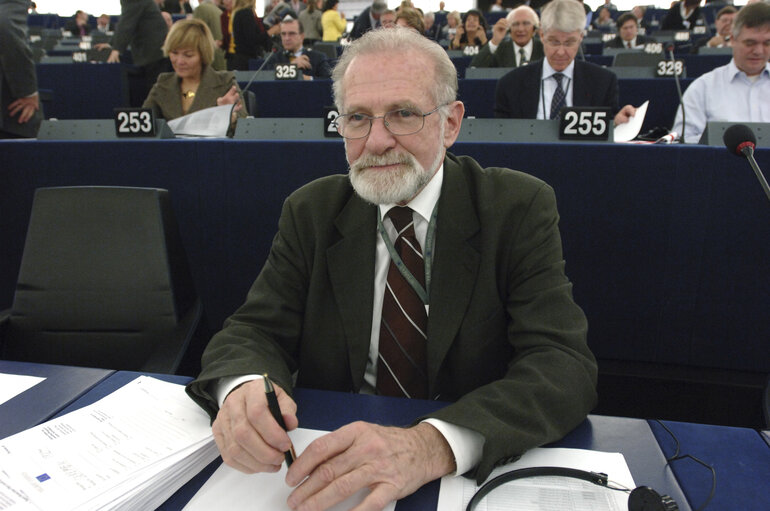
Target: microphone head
737, 137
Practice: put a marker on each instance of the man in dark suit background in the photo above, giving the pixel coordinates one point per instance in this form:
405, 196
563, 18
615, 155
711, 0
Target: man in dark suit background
313, 64
369, 19
529, 92
503, 341
523, 47
628, 33
142, 27
19, 100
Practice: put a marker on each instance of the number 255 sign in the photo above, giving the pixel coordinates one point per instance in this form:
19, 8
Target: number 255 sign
585, 123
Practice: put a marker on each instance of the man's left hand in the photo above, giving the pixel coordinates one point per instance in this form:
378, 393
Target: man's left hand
391, 462
303, 62
25, 107
625, 114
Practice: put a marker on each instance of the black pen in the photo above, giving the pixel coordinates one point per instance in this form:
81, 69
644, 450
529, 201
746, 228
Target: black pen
272, 404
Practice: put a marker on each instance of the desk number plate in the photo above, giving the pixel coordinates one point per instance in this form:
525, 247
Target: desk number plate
585, 123
330, 114
667, 68
286, 72
134, 122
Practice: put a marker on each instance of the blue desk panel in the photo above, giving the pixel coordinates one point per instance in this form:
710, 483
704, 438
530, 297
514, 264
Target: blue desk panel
62, 386
83, 91
739, 456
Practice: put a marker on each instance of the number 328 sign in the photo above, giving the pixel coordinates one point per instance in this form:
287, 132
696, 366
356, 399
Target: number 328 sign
585, 123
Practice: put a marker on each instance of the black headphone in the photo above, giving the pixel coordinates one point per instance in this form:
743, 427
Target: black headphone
642, 498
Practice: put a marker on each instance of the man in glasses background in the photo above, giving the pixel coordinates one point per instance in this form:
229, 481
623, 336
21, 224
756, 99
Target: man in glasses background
520, 50
540, 90
313, 64
419, 274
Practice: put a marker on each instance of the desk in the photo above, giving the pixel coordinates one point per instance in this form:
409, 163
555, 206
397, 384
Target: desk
739, 456
327, 410
62, 386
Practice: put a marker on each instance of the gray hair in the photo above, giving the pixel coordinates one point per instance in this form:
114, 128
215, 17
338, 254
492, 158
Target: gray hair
529, 10
751, 16
397, 42
563, 16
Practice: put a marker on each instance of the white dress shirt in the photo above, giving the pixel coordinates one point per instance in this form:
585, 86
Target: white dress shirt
724, 94
466, 444
548, 87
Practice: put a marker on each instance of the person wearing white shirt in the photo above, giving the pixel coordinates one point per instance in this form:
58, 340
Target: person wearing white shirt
520, 50
738, 91
497, 335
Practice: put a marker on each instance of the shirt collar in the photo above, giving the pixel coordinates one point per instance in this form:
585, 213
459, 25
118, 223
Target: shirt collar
734, 72
548, 71
426, 200
527, 47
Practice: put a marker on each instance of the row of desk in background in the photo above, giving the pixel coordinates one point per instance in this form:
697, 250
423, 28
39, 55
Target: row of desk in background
740, 457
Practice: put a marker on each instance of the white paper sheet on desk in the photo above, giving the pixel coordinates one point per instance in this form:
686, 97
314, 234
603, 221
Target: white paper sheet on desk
629, 130
232, 490
11, 385
546, 493
210, 122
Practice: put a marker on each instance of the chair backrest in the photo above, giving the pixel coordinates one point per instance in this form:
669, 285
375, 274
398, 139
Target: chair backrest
103, 282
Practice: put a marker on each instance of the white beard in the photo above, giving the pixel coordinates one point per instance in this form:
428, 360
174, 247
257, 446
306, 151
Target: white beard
393, 186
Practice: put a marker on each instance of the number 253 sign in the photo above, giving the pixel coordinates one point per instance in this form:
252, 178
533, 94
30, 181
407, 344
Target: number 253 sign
585, 123
134, 122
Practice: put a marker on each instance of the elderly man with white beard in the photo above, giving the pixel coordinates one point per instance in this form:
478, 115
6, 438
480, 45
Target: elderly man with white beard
420, 274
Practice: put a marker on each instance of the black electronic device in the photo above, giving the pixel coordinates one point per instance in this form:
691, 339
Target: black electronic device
740, 140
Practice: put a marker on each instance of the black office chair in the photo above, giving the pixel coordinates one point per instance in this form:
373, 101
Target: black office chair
104, 282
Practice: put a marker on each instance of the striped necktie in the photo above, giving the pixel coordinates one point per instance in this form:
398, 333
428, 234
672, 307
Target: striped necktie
559, 100
523, 57
402, 360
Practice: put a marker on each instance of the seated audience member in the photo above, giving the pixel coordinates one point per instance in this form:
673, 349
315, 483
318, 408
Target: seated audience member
333, 21
104, 24
411, 18
453, 22
432, 29
523, 47
78, 25
369, 19
501, 341
388, 18
603, 21
739, 90
226, 21
194, 84
606, 5
628, 33
313, 64
684, 15
249, 34
210, 14
639, 11
310, 19
724, 28
472, 32
541, 89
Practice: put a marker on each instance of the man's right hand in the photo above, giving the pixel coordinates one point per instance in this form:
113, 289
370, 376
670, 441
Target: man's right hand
499, 30
248, 437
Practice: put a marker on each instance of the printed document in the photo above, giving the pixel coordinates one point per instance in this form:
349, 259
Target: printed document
130, 450
547, 493
232, 490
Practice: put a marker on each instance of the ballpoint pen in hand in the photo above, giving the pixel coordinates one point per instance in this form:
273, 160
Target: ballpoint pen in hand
275, 410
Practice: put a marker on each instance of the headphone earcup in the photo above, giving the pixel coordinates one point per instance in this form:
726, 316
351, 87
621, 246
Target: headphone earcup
645, 498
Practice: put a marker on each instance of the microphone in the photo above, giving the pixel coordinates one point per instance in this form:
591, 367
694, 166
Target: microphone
273, 51
740, 140
670, 49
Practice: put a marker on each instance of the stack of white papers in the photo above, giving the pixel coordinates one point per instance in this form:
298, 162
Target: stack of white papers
131, 450
209, 122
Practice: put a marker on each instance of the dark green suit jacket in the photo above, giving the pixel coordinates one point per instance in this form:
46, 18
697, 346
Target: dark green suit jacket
506, 342
505, 56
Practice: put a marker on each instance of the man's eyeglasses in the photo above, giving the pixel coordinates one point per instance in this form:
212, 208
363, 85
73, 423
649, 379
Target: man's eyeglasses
525, 24
404, 121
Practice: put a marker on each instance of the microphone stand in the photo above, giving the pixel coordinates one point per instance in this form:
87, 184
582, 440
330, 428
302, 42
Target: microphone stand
254, 76
748, 152
678, 90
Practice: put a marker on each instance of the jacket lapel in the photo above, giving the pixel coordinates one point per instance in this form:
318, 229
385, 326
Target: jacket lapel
455, 267
351, 272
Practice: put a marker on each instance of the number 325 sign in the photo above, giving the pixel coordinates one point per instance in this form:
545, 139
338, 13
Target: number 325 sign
585, 123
